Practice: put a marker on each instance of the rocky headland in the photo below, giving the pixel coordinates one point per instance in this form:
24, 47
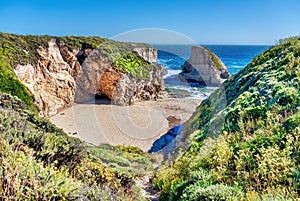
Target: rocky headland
58, 71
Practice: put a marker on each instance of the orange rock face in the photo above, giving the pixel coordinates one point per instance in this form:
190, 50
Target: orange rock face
108, 83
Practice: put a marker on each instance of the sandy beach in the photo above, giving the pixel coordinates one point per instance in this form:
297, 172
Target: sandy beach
137, 125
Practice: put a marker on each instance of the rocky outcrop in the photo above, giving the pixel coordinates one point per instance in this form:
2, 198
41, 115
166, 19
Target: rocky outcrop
63, 75
99, 77
150, 54
52, 81
129, 90
204, 67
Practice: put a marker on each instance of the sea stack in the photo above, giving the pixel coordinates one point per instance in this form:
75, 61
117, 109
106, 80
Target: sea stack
204, 67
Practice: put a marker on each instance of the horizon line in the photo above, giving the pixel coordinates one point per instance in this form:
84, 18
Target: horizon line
202, 44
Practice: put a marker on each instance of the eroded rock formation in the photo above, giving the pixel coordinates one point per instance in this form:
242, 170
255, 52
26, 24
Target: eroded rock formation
63, 76
99, 77
52, 81
150, 54
129, 90
204, 67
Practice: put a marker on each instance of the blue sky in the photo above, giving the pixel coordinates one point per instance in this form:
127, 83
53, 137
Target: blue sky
204, 21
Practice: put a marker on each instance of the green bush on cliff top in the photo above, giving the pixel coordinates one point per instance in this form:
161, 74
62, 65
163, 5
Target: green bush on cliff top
82, 42
214, 58
134, 65
246, 135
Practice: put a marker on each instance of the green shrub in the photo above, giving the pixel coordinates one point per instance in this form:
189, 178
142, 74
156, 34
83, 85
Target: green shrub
82, 42
50, 144
134, 65
10, 84
121, 161
215, 59
131, 149
27, 179
218, 192
273, 194
114, 49
287, 96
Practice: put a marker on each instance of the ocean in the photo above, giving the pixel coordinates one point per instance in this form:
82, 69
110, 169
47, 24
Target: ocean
235, 57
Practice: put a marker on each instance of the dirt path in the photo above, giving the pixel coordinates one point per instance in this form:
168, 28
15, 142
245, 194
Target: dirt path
145, 184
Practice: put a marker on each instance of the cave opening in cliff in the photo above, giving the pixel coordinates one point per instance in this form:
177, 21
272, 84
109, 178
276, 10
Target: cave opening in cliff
102, 99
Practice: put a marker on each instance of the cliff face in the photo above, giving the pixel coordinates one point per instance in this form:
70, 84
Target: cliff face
52, 80
99, 75
59, 71
125, 90
150, 54
204, 67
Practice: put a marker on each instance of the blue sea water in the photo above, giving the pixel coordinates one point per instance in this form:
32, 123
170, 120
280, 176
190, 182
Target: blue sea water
235, 57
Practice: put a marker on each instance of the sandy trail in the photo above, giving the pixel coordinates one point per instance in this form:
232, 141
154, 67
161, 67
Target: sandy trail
137, 125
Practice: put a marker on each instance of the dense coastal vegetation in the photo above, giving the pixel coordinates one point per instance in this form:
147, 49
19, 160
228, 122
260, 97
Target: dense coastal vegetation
243, 141
39, 161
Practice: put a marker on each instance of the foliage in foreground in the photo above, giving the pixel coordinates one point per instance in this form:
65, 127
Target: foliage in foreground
39, 161
245, 138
